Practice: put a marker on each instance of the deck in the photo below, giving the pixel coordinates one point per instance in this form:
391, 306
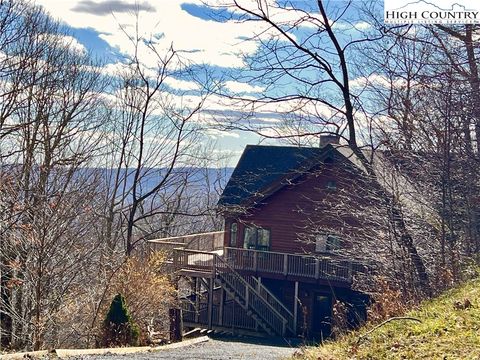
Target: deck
294, 267
243, 302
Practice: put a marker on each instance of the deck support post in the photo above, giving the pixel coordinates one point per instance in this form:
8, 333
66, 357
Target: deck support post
220, 310
210, 303
295, 308
317, 269
197, 299
258, 290
285, 264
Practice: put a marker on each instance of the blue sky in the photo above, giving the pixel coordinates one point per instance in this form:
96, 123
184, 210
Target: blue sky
210, 37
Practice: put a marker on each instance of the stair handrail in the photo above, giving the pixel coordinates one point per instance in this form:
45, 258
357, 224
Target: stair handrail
252, 290
290, 319
279, 305
216, 259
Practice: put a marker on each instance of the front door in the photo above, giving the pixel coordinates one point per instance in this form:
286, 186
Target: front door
322, 316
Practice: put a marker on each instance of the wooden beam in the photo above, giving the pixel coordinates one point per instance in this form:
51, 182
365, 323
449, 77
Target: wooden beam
220, 311
210, 304
258, 290
197, 298
295, 308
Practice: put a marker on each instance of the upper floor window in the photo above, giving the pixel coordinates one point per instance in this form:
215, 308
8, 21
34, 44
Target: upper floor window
233, 234
327, 243
256, 238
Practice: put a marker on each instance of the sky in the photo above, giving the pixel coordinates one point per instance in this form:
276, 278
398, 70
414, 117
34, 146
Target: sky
213, 37
99, 27
208, 36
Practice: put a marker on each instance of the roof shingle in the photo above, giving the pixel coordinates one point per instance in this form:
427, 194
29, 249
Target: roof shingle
262, 166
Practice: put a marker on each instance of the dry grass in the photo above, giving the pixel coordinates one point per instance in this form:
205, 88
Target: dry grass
449, 329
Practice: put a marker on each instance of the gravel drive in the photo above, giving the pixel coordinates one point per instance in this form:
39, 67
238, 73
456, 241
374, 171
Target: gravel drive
217, 348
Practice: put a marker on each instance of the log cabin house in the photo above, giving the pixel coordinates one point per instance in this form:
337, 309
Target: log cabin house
276, 268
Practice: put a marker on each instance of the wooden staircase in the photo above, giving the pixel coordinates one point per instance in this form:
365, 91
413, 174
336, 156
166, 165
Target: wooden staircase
257, 302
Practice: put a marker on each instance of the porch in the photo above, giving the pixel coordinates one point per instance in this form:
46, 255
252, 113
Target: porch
229, 288
294, 267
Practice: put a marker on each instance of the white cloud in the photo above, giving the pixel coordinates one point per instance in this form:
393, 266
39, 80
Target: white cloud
215, 134
241, 87
381, 81
65, 41
179, 84
73, 44
114, 69
207, 41
373, 79
362, 25
347, 26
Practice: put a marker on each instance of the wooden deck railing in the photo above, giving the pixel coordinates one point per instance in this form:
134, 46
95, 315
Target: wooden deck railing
252, 298
194, 260
209, 241
268, 262
232, 316
247, 295
306, 266
272, 300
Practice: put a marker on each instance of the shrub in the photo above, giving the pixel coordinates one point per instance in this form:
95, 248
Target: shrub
149, 293
145, 286
118, 327
388, 301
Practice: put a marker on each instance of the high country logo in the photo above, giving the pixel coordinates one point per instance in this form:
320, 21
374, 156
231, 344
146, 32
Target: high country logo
425, 12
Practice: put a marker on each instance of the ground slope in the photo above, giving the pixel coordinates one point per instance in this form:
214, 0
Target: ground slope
449, 329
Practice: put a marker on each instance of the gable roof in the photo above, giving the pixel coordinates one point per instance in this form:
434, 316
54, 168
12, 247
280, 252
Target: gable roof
262, 170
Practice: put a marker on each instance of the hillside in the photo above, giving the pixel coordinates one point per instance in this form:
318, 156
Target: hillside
449, 329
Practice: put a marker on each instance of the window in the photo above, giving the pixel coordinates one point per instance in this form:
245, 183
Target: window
333, 243
233, 234
256, 238
327, 243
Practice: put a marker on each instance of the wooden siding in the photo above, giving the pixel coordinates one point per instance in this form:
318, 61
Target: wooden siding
290, 211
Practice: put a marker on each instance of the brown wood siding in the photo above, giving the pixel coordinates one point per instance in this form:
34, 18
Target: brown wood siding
289, 211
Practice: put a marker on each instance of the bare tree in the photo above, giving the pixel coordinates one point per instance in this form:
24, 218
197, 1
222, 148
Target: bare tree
88, 172
156, 147
317, 65
419, 82
50, 112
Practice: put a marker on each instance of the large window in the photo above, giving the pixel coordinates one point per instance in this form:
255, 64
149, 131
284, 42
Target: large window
327, 243
233, 234
256, 238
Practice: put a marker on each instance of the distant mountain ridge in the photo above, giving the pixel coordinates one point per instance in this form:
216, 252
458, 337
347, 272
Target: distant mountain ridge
197, 176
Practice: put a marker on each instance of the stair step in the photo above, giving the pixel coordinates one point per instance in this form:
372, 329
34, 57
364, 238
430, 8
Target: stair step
235, 291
